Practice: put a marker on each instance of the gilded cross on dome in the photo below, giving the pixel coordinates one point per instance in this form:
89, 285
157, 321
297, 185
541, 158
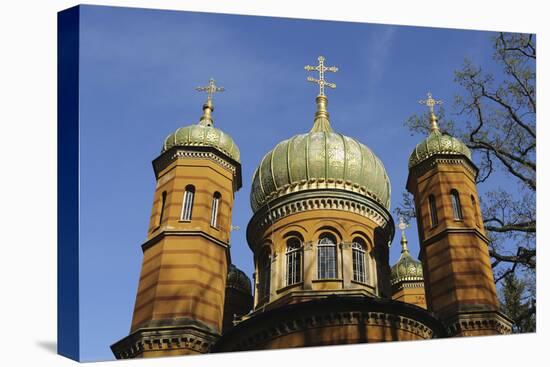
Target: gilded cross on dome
210, 89
430, 102
208, 107
402, 224
321, 68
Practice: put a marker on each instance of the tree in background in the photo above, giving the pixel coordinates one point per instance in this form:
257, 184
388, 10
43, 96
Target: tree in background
515, 301
496, 119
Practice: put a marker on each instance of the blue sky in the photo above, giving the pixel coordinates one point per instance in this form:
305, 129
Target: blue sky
139, 69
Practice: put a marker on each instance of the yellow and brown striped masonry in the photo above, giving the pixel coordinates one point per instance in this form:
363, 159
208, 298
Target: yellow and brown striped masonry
413, 293
184, 268
182, 277
454, 252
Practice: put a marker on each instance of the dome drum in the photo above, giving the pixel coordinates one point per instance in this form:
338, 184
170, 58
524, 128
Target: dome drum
319, 199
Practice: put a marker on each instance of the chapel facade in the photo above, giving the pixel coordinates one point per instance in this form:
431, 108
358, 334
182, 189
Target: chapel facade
320, 236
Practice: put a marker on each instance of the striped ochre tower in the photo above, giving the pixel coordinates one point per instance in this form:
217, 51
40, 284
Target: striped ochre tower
458, 277
181, 291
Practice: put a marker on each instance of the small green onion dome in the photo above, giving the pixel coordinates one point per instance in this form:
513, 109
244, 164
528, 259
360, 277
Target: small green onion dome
319, 159
406, 268
238, 280
437, 143
203, 134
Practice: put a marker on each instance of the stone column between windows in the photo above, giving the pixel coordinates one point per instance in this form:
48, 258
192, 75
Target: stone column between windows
273, 282
278, 271
347, 264
310, 264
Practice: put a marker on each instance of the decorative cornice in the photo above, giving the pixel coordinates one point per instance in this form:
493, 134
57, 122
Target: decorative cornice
251, 333
199, 152
477, 321
448, 159
408, 282
165, 233
189, 337
320, 184
318, 200
453, 230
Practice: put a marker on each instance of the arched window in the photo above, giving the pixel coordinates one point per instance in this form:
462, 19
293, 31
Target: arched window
188, 198
162, 205
474, 207
326, 256
358, 248
455, 201
216, 199
293, 261
433, 210
264, 276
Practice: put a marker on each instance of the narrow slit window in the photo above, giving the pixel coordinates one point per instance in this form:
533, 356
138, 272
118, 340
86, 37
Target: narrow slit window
188, 199
474, 208
358, 248
326, 257
293, 261
264, 278
216, 199
455, 201
162, 205
433, 210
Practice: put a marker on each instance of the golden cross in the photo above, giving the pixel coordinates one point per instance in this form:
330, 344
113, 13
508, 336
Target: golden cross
402, 224
430, 102
210, 89
321, 68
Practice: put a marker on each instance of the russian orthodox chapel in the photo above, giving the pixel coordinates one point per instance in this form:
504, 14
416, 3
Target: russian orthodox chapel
320, 236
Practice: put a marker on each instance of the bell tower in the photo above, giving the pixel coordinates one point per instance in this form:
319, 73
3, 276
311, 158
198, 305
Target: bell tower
180, 297
459, 281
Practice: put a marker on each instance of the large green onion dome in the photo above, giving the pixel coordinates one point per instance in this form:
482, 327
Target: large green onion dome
203, 134
437, 143
319, 159
407, 269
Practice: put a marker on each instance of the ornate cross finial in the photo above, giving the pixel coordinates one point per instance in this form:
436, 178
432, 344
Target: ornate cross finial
430, 102
403, 226
210, 89
208, 107
321, 68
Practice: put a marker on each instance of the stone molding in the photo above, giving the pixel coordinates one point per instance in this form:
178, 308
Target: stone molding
408, 282
341, 318
320, 184
261, 327
319, 200
478, 321
457, 230
199, 152
163, 339
168, 233
449, 159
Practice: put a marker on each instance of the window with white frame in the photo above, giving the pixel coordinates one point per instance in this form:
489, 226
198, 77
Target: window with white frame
359, 248
216, 199
326, 256
455, 201
188, 199
293, 261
